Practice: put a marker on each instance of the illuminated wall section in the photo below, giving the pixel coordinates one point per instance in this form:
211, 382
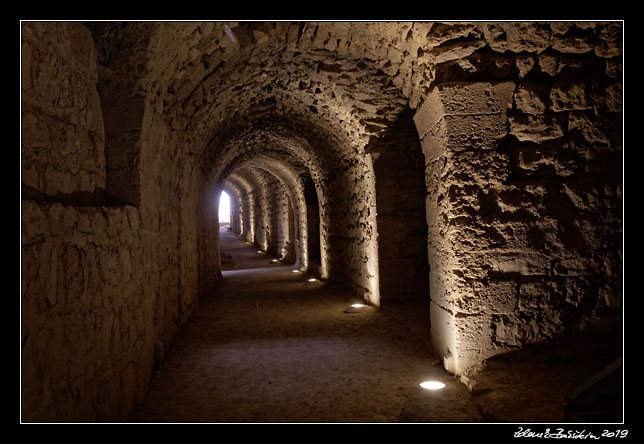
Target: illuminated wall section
511, 262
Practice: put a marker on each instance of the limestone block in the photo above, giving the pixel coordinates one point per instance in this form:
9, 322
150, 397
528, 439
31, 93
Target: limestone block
591, 129
610, 97
472, 132
442, 285
572, 43
446, 99
489, 297
35, 132
513, 331
527, 101
547, 64
442, 334
610, 42
525, 263
33, 223
524, 65
473, 341
536, 129
538, 295
572, 265
456, 51
568, 98
518, 37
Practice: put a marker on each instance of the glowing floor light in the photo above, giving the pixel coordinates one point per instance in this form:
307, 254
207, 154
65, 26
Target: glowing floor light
432, 385
274, 261
313, 280
259, 252
357, 305
296, 271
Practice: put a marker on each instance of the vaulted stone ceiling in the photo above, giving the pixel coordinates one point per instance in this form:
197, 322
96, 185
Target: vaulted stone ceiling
333, 84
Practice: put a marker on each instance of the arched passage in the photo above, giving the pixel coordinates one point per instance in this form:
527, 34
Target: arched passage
399, 166
235, 210
313, 226
519, 127
277, 227
298, 155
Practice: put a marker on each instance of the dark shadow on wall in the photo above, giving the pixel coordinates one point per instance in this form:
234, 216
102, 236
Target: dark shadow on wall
119, 66
399, 167
313, 225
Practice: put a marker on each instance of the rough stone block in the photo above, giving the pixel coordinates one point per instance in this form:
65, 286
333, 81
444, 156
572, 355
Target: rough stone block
525, 263
457, 99
528, 101
568, 98
442, 334
536, 129
489, 297
474, 341
512, 331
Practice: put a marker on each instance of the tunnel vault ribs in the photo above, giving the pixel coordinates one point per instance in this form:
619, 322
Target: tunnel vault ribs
519, 128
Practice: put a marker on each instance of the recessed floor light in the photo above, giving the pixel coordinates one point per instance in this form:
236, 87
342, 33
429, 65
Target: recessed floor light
296, 271
355, 308
432, 385
259, 252
313, 280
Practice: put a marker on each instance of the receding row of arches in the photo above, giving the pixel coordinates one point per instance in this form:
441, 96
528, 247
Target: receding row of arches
277, 204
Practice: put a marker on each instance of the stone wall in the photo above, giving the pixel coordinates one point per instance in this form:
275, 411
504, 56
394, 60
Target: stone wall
525, 196
313, 226
82, 306
400, 200
105, 286
85, 323
63, 142
351, 231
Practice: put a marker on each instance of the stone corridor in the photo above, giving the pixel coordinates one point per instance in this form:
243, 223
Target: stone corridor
462, 179
270, 346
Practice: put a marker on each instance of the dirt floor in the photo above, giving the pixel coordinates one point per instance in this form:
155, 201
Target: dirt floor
270, 346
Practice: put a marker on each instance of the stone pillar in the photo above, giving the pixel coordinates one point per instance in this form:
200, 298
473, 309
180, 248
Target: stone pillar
459, 126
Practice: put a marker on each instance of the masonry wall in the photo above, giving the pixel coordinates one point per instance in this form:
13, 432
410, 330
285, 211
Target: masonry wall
400, 199
83, 312
352, 247
235, 215
313, 226
63, 142
282, 239
524, 199
105, 285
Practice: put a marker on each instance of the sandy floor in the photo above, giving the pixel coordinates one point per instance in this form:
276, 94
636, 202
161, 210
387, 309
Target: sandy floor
270, 346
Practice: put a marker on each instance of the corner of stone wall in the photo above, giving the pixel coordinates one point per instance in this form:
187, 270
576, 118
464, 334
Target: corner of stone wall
513, 184
455, 119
